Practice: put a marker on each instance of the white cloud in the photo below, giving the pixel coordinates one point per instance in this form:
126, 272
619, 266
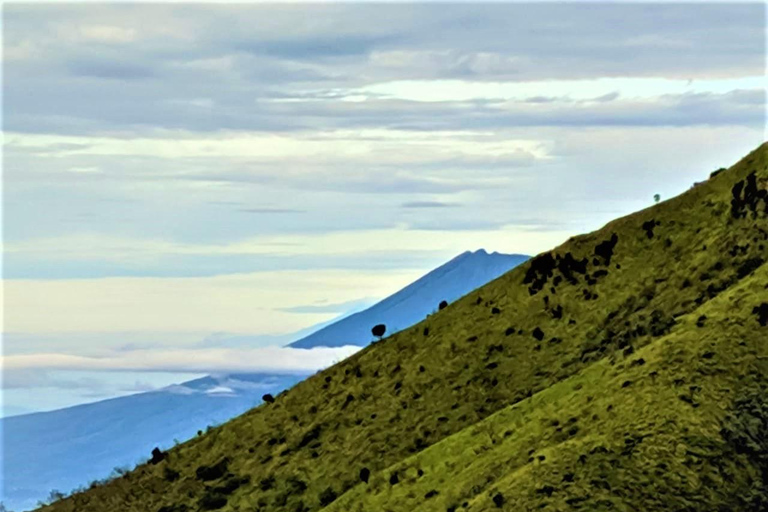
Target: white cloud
268, 359
508, 238
106, 33
562, 90
293, 150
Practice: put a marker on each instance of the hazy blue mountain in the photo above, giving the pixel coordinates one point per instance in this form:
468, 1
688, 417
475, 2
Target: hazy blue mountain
71, 447
449, 282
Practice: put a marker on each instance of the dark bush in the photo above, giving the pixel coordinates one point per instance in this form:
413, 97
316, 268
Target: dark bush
443, 305
748, 267
268, 398
212, 501
296, 485
172, 508
208, 473
379, 330
310, 436
605, 248
716, 172
231, 484
498, 500
170, 475
327, 497
157, 456
761, 312
267, 483
365, 474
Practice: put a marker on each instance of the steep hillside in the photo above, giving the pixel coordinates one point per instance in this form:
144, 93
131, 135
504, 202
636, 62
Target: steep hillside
413, 303
624, 370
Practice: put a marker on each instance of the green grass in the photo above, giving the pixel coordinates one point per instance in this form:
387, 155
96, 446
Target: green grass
475, 404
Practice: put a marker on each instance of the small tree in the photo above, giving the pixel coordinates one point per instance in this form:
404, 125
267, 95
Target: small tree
379, 330
656, 198
715, 173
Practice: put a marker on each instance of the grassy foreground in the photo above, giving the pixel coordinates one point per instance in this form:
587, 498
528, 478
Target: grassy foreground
625, 370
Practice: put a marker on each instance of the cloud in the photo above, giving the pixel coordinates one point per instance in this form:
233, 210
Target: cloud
428, 204
268, 359
216, 78
270, 210
27, 377
312, 48
110, 70
336, 308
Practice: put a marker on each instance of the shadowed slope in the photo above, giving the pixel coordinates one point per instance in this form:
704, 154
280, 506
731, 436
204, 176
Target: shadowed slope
644, 286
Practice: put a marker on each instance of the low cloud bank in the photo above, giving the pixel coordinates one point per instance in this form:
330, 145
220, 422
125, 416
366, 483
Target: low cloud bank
206, 360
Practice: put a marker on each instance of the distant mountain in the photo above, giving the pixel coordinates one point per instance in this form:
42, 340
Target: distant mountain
413, 303
71, 447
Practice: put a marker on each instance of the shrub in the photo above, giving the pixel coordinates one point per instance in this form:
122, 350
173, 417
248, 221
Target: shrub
297, 485
157, 456
379, 330
231, 484
267, 483
212, 501
170, 475
327, 497
207, 473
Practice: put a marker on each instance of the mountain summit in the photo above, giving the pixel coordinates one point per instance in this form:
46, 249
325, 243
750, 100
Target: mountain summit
413, 303
625, 370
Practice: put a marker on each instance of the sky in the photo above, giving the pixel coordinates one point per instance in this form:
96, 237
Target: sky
186, 188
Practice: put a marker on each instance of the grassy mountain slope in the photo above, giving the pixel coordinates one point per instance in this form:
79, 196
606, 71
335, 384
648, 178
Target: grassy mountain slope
471, 395
640, 433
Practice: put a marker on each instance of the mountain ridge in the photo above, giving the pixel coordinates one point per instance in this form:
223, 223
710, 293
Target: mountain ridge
414, 302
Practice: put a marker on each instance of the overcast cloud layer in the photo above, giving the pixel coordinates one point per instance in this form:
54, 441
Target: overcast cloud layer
246, 171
